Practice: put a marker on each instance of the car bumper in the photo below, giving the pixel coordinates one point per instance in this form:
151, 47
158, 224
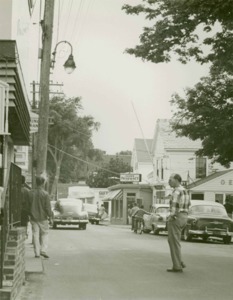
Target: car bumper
210, 233
73, 222
161, 227
94, 219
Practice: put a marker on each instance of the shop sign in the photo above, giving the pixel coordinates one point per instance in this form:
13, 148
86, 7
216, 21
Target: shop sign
130, 177
227, 182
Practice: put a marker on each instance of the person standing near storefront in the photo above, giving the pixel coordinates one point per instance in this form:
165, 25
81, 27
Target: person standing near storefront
40, 212
179, 206
134, 210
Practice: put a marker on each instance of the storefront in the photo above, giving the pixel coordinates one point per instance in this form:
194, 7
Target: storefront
216, 187
122, 196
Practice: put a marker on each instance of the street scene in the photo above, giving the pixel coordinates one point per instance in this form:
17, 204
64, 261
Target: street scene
112, 262
116, 149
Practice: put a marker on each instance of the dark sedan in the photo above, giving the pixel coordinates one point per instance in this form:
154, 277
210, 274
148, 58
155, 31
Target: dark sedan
208, 219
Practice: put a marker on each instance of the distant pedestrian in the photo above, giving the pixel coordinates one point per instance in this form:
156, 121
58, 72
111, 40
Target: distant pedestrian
102, 212
40, 213
229, 208
129, 214
24, 203
134, 210
179, 206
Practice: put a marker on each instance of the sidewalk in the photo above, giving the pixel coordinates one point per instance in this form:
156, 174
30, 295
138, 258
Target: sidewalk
32, 264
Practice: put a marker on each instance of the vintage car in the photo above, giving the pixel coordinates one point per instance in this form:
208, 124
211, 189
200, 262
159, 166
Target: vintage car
69, 211
156, 221
208, 219
93, 215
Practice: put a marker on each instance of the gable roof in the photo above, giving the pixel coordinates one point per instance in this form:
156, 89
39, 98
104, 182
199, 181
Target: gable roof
170, 138
208, 178
141, 149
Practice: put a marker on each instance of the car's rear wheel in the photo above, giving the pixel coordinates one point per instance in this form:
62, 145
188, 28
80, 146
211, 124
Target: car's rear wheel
205, 238
186, 235
227, 240
54, 225
97, 222
145, 230
83, 226
155, 231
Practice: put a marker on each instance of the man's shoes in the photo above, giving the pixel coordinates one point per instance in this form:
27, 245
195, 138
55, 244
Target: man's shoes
37, 256
175, 270
44, 255
183, 265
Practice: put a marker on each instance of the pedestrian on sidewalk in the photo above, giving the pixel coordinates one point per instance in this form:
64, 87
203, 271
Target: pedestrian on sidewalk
40, 215
177, 220
24, 203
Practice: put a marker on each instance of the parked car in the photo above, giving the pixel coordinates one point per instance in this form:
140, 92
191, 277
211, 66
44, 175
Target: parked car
208, 219
93, 215
156, 221
69, 211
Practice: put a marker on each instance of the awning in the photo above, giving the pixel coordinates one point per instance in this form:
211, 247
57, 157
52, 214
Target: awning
19, 107
116, 194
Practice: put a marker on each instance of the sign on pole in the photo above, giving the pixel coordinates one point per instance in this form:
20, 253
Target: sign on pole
131, 177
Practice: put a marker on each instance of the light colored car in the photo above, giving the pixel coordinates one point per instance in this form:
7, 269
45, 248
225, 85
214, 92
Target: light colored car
156, 221
208, 219
69, 211
93, 215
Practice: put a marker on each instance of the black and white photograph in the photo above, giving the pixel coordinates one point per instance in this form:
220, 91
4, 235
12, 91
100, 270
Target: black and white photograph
116, 149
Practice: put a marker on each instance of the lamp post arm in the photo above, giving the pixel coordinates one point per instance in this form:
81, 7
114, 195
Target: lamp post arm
55, 51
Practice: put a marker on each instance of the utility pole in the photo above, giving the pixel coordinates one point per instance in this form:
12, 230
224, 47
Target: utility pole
47, 29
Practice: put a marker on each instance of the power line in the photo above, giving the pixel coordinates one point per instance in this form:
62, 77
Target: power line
82, 160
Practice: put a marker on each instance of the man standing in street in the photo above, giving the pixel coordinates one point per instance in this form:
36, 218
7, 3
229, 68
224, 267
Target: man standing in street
179, 206
134, 210
40, 211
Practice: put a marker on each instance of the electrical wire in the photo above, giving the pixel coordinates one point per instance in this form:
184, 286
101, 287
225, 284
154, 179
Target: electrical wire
77, 19
147, 148
68, 17
58, 19
83, 24
82, 160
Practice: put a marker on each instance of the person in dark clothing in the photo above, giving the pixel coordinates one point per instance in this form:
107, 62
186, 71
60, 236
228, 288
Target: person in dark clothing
138, 216
24, 203
40, 213
229, 208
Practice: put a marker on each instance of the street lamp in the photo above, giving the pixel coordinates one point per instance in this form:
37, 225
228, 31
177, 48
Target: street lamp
69, 65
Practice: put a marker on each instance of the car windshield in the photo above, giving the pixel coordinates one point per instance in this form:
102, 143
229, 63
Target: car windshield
208, 209
162, 210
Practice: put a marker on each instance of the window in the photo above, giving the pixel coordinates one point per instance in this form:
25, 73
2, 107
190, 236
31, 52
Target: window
219, 198
200, 167
197, 196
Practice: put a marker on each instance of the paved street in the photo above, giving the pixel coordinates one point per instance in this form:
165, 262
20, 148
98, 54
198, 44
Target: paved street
111, 262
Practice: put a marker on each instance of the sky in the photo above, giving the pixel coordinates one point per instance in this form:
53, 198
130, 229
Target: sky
123, 93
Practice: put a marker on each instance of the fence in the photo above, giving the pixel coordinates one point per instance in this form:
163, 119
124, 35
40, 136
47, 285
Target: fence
11, 210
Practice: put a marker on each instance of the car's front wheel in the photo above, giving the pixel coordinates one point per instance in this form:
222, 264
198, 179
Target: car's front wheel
54, 225
186, 235
227, 240
97, 222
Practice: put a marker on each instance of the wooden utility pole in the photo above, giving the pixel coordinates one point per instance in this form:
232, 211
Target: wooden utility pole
47, 29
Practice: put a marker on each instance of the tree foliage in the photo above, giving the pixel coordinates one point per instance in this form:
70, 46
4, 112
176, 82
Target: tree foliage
183, 27
201, 30
69, 137
207, 114
109, 173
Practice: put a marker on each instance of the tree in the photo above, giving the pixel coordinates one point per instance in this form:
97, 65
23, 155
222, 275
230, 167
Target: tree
68, 134
200, 30
183, 27
125, 152
109, 174
207, 114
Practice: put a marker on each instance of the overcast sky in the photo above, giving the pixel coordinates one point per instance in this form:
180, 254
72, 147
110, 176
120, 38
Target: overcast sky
110, 81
